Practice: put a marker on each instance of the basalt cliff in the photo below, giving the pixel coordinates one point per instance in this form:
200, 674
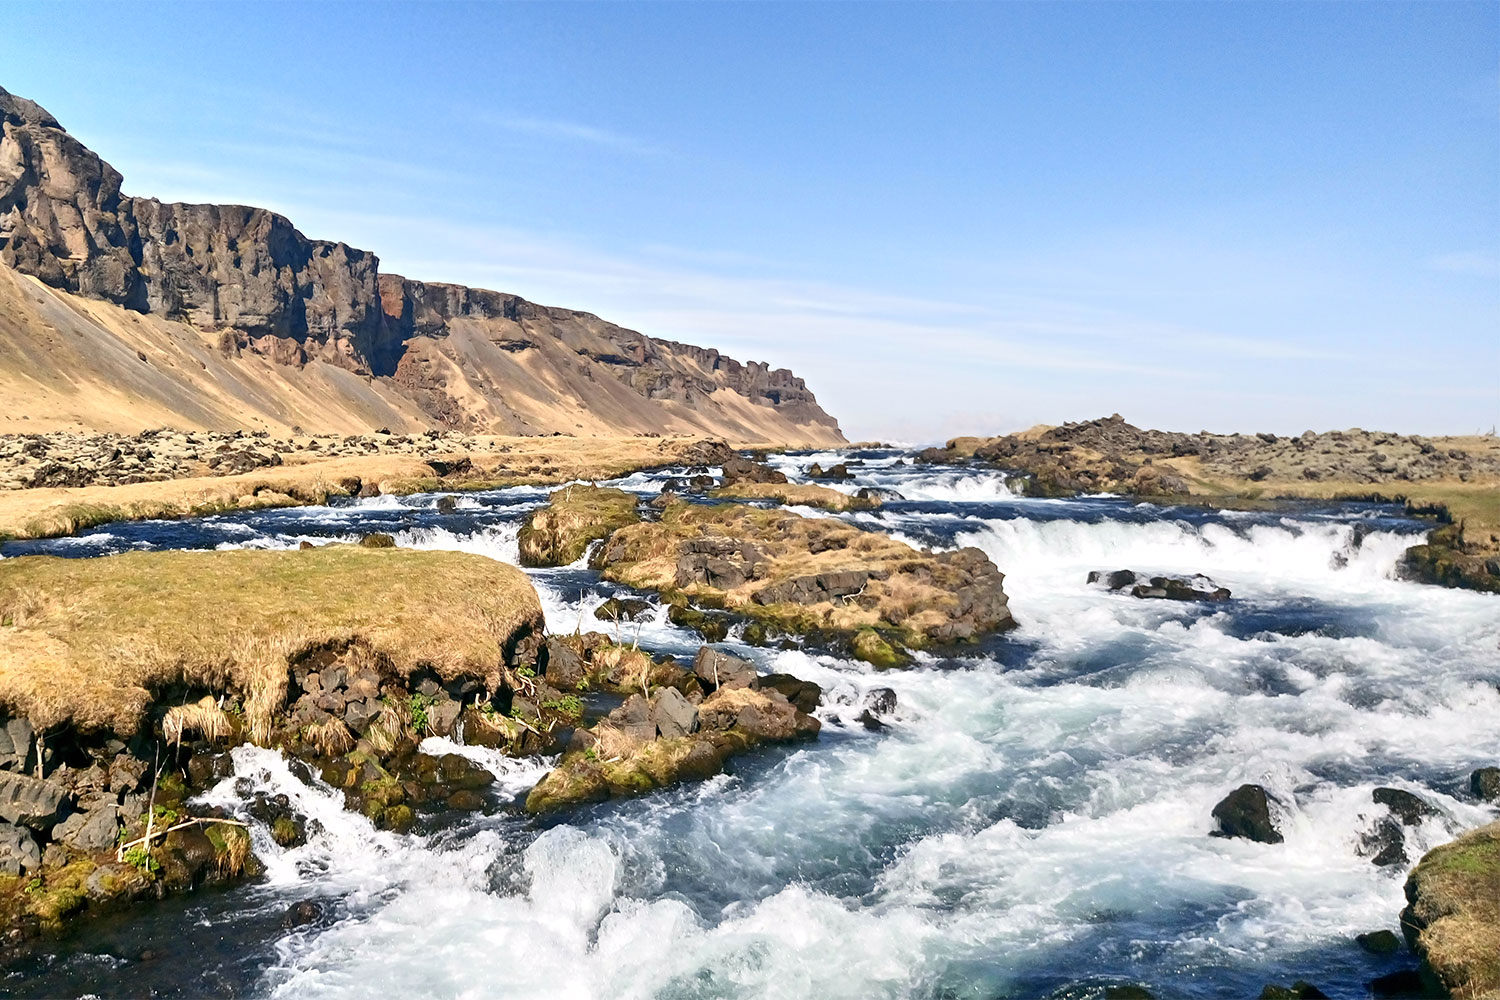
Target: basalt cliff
120, 312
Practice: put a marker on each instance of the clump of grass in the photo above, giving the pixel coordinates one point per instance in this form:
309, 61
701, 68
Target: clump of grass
203, 717
802, 494
100, 635
331, 738
69, 519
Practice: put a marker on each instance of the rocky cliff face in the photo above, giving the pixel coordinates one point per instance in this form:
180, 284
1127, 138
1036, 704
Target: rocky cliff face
465, 358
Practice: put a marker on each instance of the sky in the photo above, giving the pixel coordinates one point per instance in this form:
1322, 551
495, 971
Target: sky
948, 219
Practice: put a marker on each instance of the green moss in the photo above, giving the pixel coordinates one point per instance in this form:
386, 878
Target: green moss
52, 906
283, 831
868, 645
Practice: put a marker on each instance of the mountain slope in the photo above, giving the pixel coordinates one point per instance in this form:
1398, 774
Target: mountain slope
118, 313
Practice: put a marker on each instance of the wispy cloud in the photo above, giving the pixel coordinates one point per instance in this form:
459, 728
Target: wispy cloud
1485, 265
575, 132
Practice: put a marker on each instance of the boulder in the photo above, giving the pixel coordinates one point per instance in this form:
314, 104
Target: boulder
1402, 983
565, 669
716, 669
378, 540
625, 609
1118, 580
306, 911
805, 695
761, 715
742, 470
1484, 784
634, 719
672, 714
1171, 588
187, 855
30, 801
1300, 990
1246, 813
1381, 942
1405, 806
94, 830
19, 851
880, 701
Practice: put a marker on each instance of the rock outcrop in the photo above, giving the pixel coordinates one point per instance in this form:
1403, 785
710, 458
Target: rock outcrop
226, 282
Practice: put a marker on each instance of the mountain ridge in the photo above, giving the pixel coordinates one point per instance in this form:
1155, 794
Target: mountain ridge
245, 282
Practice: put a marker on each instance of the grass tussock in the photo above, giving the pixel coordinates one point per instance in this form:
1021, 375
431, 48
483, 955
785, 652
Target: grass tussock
331, 738
90, 641
204, 718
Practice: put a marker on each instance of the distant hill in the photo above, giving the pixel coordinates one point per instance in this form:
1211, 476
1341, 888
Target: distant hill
120, 313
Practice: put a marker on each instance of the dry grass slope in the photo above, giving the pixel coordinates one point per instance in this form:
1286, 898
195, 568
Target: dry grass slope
87, 641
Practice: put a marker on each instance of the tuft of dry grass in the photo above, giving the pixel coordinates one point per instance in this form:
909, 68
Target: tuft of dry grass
97, 638
203, 717
560, 532
330, 738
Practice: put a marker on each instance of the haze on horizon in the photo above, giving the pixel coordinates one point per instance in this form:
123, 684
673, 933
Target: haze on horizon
947, 219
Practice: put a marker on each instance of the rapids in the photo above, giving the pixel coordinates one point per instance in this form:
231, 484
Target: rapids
1033, 823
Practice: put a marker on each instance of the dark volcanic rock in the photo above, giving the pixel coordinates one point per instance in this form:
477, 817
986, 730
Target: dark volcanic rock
1380, 942
1246, 812
1405, 806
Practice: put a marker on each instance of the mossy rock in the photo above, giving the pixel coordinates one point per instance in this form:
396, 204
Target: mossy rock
574, 782
868, 645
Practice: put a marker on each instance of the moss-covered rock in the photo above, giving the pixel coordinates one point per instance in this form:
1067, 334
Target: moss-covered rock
559, 533
868, 645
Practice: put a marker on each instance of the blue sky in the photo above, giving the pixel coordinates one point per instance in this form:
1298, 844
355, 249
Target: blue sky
947, 218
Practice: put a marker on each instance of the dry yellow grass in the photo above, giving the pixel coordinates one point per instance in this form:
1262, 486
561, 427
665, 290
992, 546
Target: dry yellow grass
803, 494
88, 642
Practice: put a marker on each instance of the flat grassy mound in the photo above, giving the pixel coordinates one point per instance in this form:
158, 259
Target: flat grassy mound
560, 532
1452, 919
90, 641
802, 494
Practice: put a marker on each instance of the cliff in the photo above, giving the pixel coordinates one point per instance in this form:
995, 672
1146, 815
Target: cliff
220, 316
